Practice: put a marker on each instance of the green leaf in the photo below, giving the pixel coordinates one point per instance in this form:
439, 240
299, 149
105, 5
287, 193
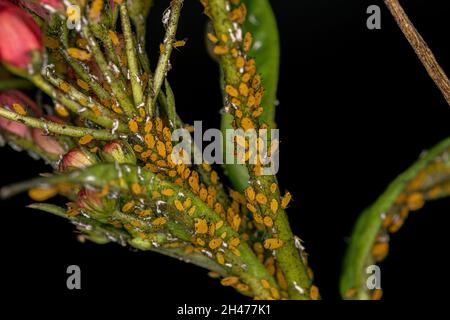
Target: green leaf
427, 179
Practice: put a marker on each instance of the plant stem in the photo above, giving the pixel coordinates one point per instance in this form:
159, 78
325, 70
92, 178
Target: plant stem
15, 83
421, 48
163, 61
56, 128
133, 64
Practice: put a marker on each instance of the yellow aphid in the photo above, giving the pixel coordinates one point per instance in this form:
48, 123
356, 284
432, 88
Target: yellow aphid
229, 281
200, 242
376, 294
187, 203
380, 251
275, 294
19, 109
117, 109
258, 218
224, 37
273, 187
250, 193
268, 222
158, 124
286, 199
159, 221
239, 14
274, 205
148, 126
72, 212
136, 188
212, 38
96, 111
234, 242
114, 38
231, 91
79, 54
415, 201
149, 140
168, 192
82, 84
161, 148
219, 224
273, 243
192, 211
179, 43
201, 226
42, 194
236, 222
247, 124
314, 292
138, 148
261, 198
132, 124
51, 43
220, 50
240, 63
281, 279
220, 258
215, 243
258, 248
248, 39
214, 177
64, 86
238, 113
162, 48
243, 89
179, 205
258, 112
213, 274
128, 206
86, 139
251, 101
251, 207
61, 110
145, 213
96, 8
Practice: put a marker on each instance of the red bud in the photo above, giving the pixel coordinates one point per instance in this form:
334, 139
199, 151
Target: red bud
77, 159
46, 142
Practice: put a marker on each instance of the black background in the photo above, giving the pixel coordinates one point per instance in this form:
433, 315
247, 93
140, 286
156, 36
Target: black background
356, 109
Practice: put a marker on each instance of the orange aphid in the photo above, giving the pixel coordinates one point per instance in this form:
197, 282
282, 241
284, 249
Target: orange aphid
96, 8
42, 194
179, 43
128, 206
286, 199
159, 221
239, 14
136, 188
240, 63
229, 281
220, 258
220, 50
161, 148
138, 148
380, 251
132, 124
415, 201
201, 226
268, 222
248, 39
192, 210
215, 243
86, 139
114, 38
274, 205
148, 126
281, 279
61, 110
64, 86
168, 192
265, 284
149, 140
231, 91
247, 124
273, 243
234, 242
314, 292
82, 84
243, 89
376, 294
19, 109
212, 38
214, 177
79, 54
261, 198
179, 205
250, 193
51, 43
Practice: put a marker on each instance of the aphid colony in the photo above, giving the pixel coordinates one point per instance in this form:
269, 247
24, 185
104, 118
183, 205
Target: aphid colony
430, 183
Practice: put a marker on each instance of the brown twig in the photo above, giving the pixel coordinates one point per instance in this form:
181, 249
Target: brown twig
420, 47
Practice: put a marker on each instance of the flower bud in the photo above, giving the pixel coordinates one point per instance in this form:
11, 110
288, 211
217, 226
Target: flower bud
77, 158
118, 151
19, 34
43, 8
46, 142
95, 203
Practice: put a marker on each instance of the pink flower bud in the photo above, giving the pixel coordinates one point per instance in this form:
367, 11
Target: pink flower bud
94, 202
46, 142
43, 8
19, 34
118, 151
76, 159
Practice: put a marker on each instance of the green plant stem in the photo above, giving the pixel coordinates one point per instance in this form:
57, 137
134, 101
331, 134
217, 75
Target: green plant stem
133, 64
15, 83
29, 145
56, 128
117, 86
163, 61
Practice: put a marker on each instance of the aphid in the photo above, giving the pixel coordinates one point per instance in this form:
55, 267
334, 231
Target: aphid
159, 221
243, 89
238, 14
273, 187
250, 193
251, 101
232, 91
265, 284
415, 201
136, 188
201, 226
273, 243
314, 292
220, 50
179, 43
219, 224
145, 213
212, 38
240, 63
258, 112
380, 251
179, 205
162, 48
235, 251
138, 148
61, 110
187, 203
261, 198
281, 279
236, 222
286, 199
251, 207
86, 139
96, 8
247, 124
148, 127
149, 140
192, 211
79, 54
42, 194
200, 242
220, 258
158, 124
132, 124
234, 242
19, 109
114, 38
215, 243
275, 294
168, 192
82, 84
268, 222
128, 206
248, 39
229, 281
274, 205
377, 294
64, 86
246, 76
51, 43
213, 274
161, 148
